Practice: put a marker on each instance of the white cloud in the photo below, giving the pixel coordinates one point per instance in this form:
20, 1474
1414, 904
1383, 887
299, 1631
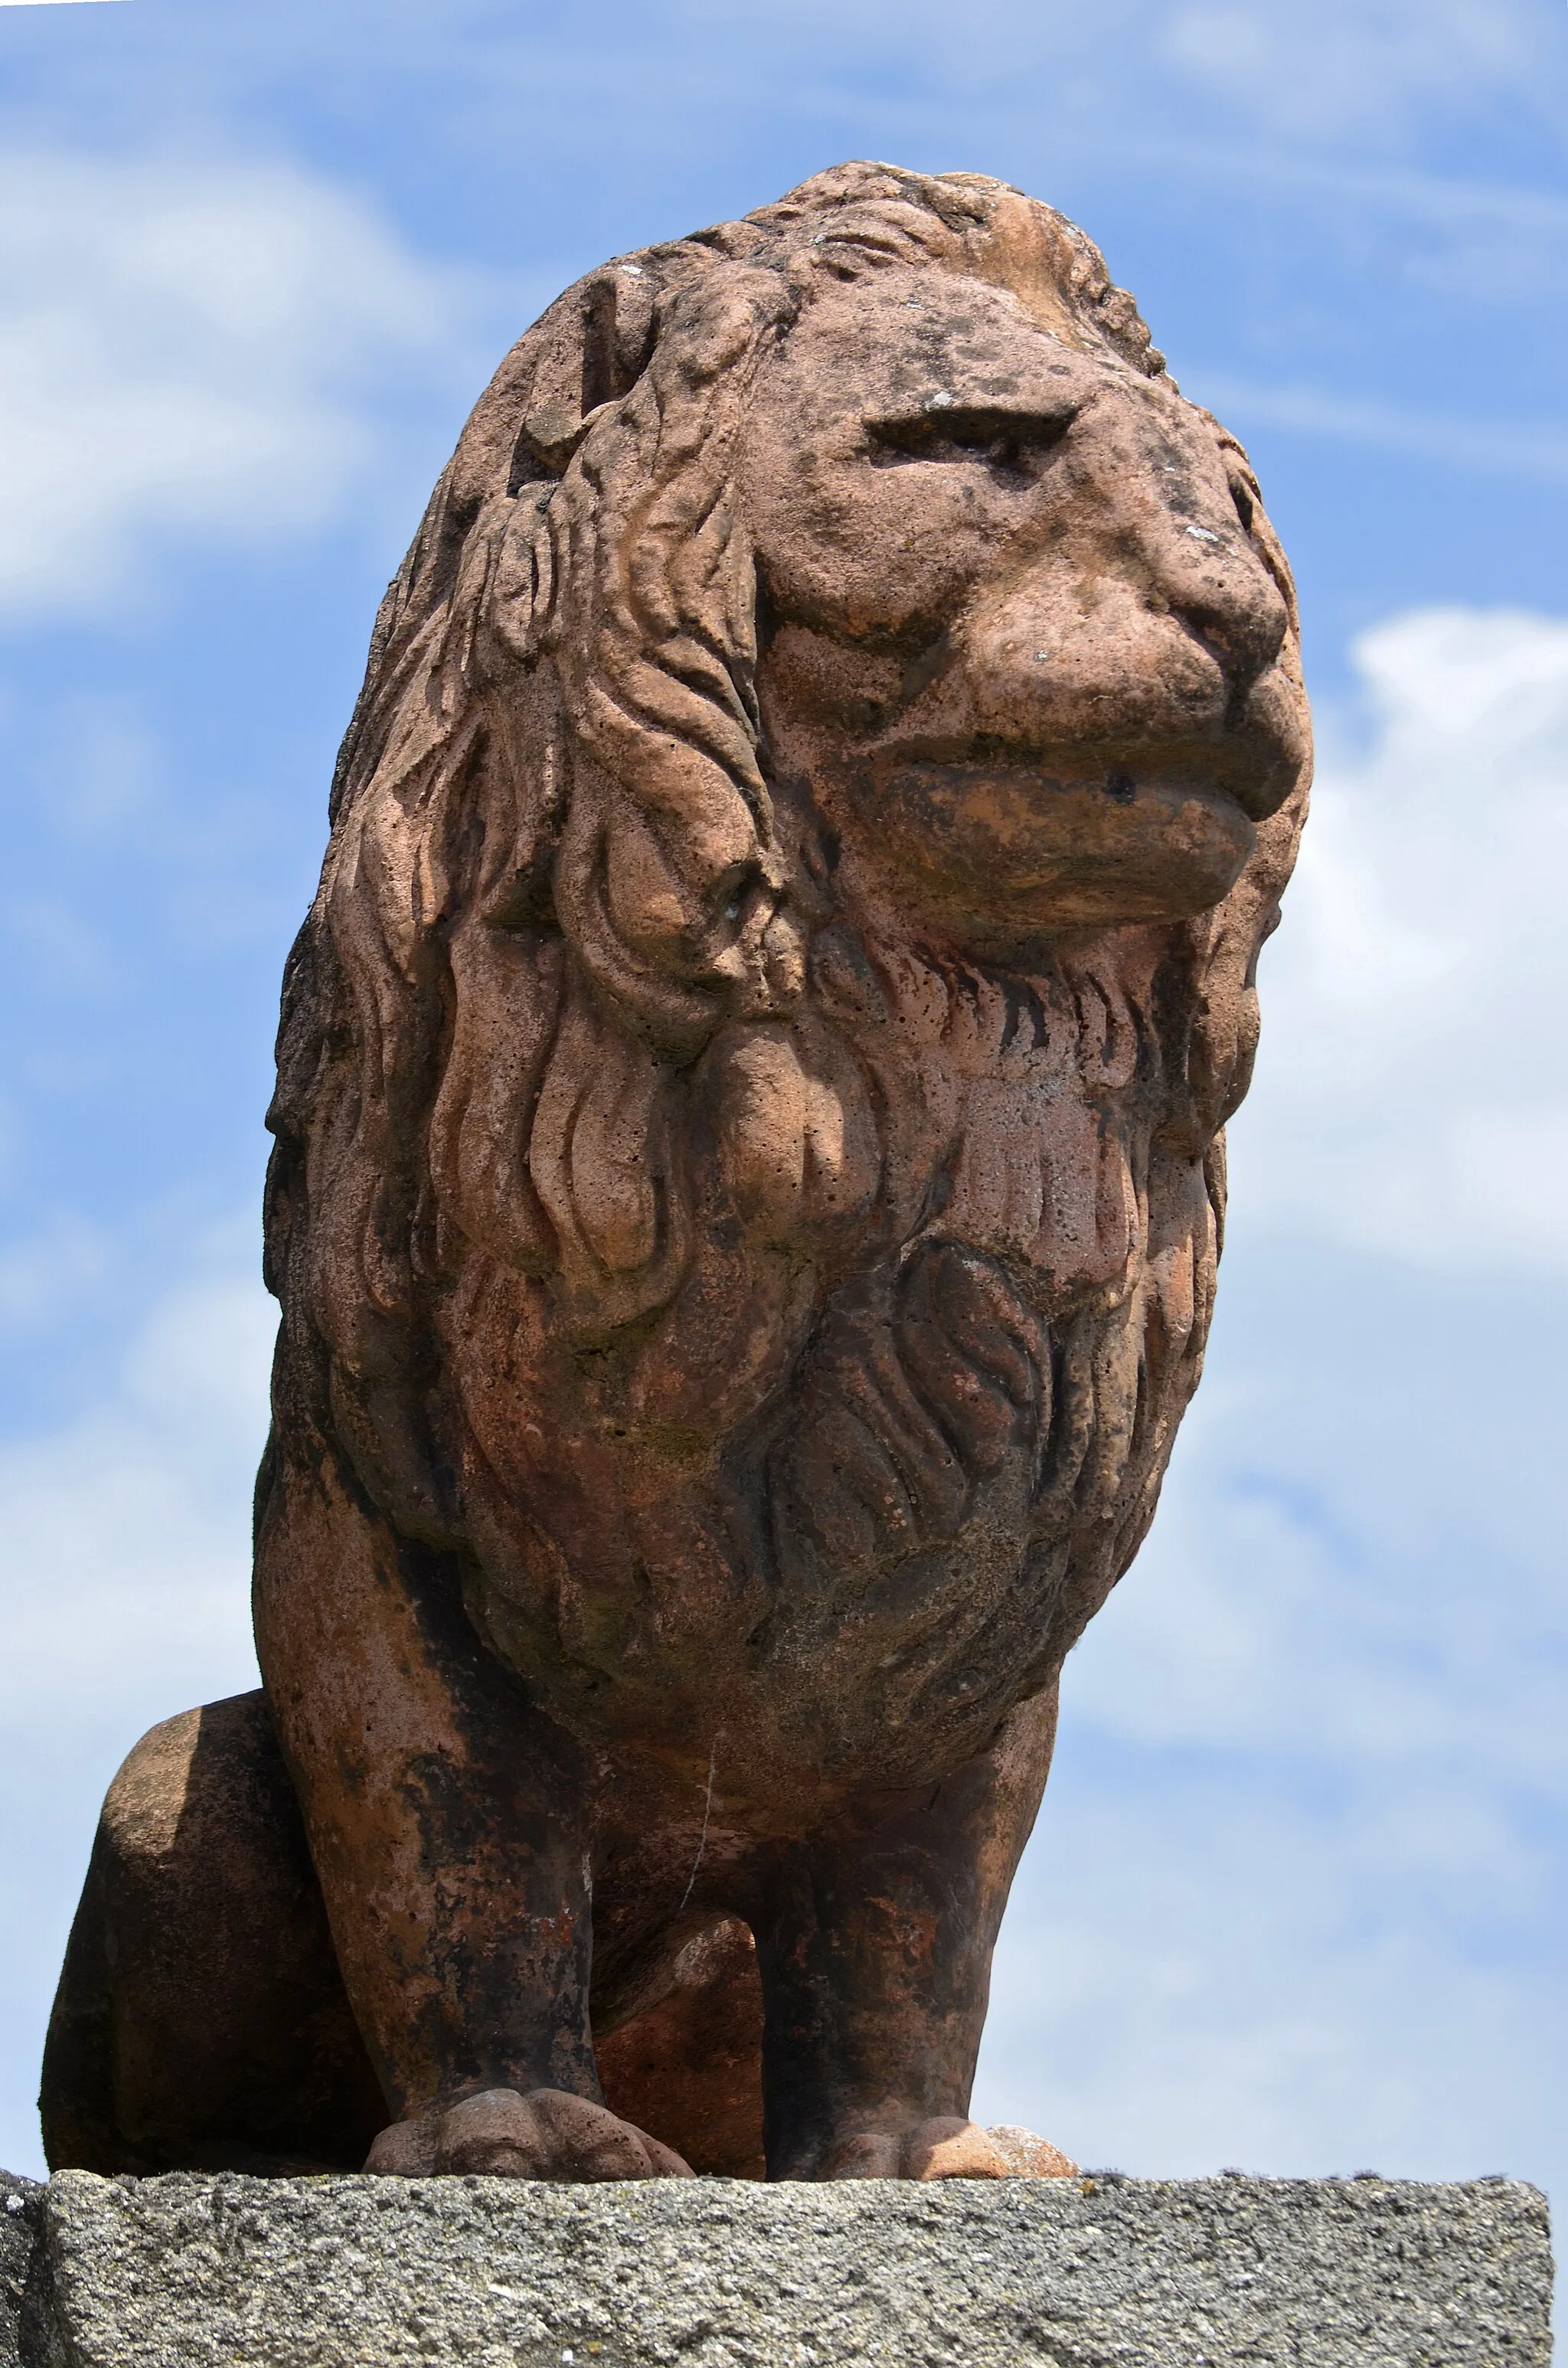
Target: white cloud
1411, 1094
1207, 1968
1490, 448
1360, 69
1293, 1901
1332, 1577
125, 1586
61, 1260
187, 350
1356, 65
124, 1597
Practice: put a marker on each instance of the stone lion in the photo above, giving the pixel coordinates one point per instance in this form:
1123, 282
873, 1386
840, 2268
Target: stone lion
746, 1199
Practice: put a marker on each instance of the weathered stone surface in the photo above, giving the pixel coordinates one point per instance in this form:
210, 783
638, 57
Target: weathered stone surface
745, 1213
188, 2271
21, 2220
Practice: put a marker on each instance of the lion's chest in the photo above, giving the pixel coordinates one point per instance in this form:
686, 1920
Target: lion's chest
947, 1471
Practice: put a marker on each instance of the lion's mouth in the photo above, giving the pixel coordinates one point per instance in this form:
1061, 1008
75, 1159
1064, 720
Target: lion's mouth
999, 845
1242, 742
1250, 764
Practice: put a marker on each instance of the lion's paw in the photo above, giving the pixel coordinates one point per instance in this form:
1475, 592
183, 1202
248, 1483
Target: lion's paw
947, 2148
1028, 2156
546, 2134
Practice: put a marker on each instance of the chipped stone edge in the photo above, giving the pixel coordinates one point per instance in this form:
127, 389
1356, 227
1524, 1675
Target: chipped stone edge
29, 2330
31, 2334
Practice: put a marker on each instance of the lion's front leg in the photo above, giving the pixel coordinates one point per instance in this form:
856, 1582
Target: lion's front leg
874, 1943
448, 1822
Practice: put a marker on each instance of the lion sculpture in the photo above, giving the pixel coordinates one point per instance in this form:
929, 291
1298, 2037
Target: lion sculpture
746, 1206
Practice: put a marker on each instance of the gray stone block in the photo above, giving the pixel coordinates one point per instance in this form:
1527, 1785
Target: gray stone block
21, 2225
195, 2271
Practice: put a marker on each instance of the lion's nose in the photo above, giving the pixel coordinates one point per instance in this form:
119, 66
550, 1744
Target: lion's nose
1212, 579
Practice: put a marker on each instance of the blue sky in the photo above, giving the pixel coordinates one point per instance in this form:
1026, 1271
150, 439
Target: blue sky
1296, 1899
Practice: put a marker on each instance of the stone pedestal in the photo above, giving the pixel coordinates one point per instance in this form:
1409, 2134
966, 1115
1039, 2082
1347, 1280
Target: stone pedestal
1101, 2272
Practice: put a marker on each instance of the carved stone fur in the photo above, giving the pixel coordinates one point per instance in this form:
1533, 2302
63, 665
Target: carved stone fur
749, 1171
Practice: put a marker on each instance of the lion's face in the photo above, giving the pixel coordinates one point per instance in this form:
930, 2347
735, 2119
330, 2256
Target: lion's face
1026, 634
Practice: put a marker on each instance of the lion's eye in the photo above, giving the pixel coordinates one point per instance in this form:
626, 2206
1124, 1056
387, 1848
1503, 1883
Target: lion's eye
1249, 507
1011, 443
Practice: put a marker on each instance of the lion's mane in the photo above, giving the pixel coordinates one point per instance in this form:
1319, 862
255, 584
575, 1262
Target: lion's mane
571, 980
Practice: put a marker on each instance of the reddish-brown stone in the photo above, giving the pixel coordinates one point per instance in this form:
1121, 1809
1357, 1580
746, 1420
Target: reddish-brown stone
745, 1208
691, 2058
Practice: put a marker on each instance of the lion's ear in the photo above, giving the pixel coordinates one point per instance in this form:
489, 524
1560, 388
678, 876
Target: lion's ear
598, 349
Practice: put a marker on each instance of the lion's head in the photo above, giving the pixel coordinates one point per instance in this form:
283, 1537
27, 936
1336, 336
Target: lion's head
822, 775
